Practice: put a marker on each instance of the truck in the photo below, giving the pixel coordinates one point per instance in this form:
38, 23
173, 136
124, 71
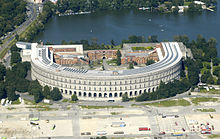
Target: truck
34, 119
118, 124
34, 123
177, 134
101, 132
143, 128
119, 132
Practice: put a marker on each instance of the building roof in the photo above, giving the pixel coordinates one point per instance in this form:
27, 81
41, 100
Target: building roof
40, 56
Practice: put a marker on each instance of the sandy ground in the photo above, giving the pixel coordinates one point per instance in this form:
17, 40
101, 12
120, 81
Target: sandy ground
172, 125
104, 124
23, 129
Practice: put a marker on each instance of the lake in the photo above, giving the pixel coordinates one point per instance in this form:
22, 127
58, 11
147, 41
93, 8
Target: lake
118, 25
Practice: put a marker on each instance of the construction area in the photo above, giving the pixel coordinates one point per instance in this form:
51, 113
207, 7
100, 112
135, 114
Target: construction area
35, 128
84, 120
115, 125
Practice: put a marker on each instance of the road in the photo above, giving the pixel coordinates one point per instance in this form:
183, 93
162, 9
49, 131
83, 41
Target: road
22, 27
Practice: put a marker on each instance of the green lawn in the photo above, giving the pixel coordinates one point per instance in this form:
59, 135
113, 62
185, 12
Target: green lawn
214, 136
16, 102
203, 99
206, 110
42, 108
142, 48
205, 64
11, 108
99, 107
187, 3
65, 100
211, 91
113, 61
115, 113
170, 103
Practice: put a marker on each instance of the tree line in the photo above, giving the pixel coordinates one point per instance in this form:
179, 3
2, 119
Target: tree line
12, 14
39, 24
203, 51
14, 79
100, 5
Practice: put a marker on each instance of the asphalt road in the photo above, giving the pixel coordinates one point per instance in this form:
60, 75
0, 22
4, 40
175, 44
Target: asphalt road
22, 27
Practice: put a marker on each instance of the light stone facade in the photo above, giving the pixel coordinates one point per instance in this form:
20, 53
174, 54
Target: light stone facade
107, 85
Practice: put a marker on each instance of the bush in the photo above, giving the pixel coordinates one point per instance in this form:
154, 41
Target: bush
125, 98
74, 97
56, 94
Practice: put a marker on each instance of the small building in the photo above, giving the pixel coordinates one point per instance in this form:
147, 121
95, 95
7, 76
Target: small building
199, 2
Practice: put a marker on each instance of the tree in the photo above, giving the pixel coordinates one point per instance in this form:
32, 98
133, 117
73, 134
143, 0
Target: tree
216, 61
34, 85
16, 37
46, 92
112, 42
118, 58
182, 73
56, 94
38, 97
15, 58
2, 91
125, 97
21, 84
131, 66
150, 61
14, 48
218, 81
2, 71
152, 39
118, 53
74, 97
11, 93
176, 10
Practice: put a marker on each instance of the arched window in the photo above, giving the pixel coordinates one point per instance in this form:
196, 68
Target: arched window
140, 92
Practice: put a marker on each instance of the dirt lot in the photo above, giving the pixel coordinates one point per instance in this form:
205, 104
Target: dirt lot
23, 129
104, 124
199, 119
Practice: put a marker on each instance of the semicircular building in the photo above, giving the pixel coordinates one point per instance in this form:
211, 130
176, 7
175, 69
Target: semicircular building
103, 85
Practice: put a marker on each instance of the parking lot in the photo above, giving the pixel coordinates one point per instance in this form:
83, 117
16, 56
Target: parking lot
114, 125
172, 124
